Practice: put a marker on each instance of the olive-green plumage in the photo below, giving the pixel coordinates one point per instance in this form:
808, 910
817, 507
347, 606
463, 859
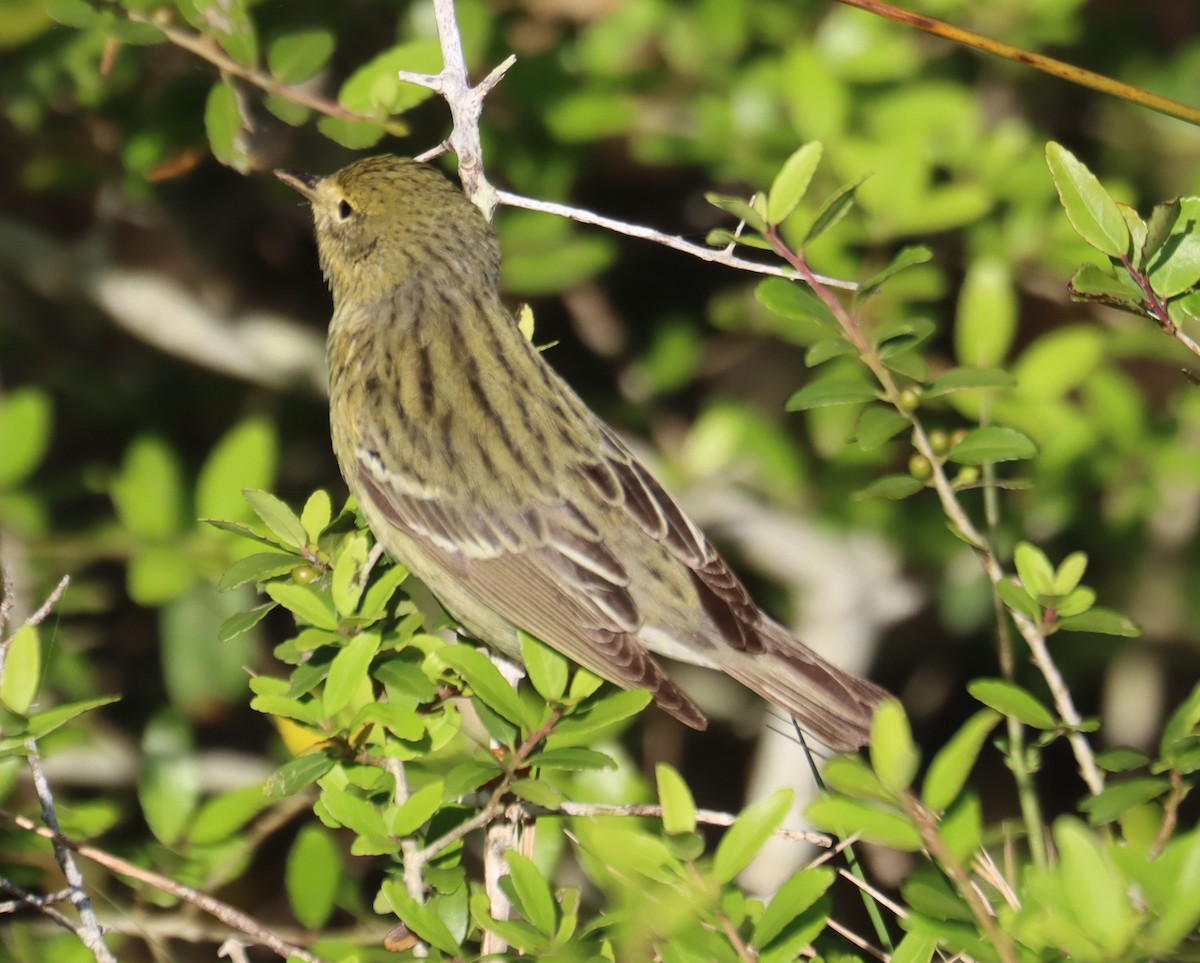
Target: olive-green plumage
484, 473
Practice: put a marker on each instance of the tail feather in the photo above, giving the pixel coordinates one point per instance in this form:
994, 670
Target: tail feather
835, 706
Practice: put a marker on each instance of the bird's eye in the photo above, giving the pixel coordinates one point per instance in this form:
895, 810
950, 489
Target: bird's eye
344, 210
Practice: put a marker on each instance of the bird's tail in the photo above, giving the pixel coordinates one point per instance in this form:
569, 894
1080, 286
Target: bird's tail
833, 705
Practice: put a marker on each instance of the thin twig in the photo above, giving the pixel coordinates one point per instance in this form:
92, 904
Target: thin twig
466, 104
206, 49
701, 251
47, 607
43, 904
706, 817
1157, 308
944, 488
234, 918
1057, 68
89, 931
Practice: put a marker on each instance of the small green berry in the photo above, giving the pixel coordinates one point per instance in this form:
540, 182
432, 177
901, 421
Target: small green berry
910, 398
920, 467
304, 575
939, 441
969, 475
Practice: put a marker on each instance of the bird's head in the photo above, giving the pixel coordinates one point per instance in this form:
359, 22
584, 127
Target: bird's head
382, 220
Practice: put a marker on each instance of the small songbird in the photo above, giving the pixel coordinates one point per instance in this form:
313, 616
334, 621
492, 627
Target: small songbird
489, 478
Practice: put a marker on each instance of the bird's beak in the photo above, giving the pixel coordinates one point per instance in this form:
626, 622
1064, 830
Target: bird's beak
306, 184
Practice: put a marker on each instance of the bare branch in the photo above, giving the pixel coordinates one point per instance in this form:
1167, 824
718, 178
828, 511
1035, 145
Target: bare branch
466, 104
234, 918
89, 931
701, 251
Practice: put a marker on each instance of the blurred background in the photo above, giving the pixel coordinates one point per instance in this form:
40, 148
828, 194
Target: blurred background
162, 319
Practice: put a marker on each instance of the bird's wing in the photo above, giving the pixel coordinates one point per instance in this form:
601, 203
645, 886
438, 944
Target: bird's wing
543, 567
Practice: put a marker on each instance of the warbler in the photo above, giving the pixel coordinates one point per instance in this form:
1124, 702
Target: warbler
485, 474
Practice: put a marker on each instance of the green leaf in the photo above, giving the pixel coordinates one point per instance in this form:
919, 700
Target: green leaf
1176, 267
348, 671
401, 720
901, 335
168, 784
915, 948
824, 392
22, 670
749, 833
353, 134
573, 759
295, 774
796, 895
223, 124
851, 776
1017, 599
548, 670
1117, 798
1101, 621
986, 317
374, 89
1162, 221
992, 444
72, 13
353, 812
966, 379
305, 601
317, 513
539, 792
905, 258
225, 814
1075, 603
43, 723
679, 809
297, 56
421, 919
278, 518
1090, 282
826, 349
534, 899
876, 425
894, 757
1035, 570
599, 718
1012, 700
513, 932
257, 568
846, 817
794, 301
1090, 209
481, 674
739, 209
950, 767
835, 207
346, 585
147, 493
245, 457
26, 419
312, 876
241, 622
895, 487
1094, 891
417, 810
1070, 572
792, 181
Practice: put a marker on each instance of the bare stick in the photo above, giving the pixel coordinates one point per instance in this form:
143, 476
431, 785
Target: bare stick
466, 104
234, 918
89, 930
701, 251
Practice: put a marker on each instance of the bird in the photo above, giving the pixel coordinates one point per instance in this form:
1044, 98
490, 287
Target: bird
482, 471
